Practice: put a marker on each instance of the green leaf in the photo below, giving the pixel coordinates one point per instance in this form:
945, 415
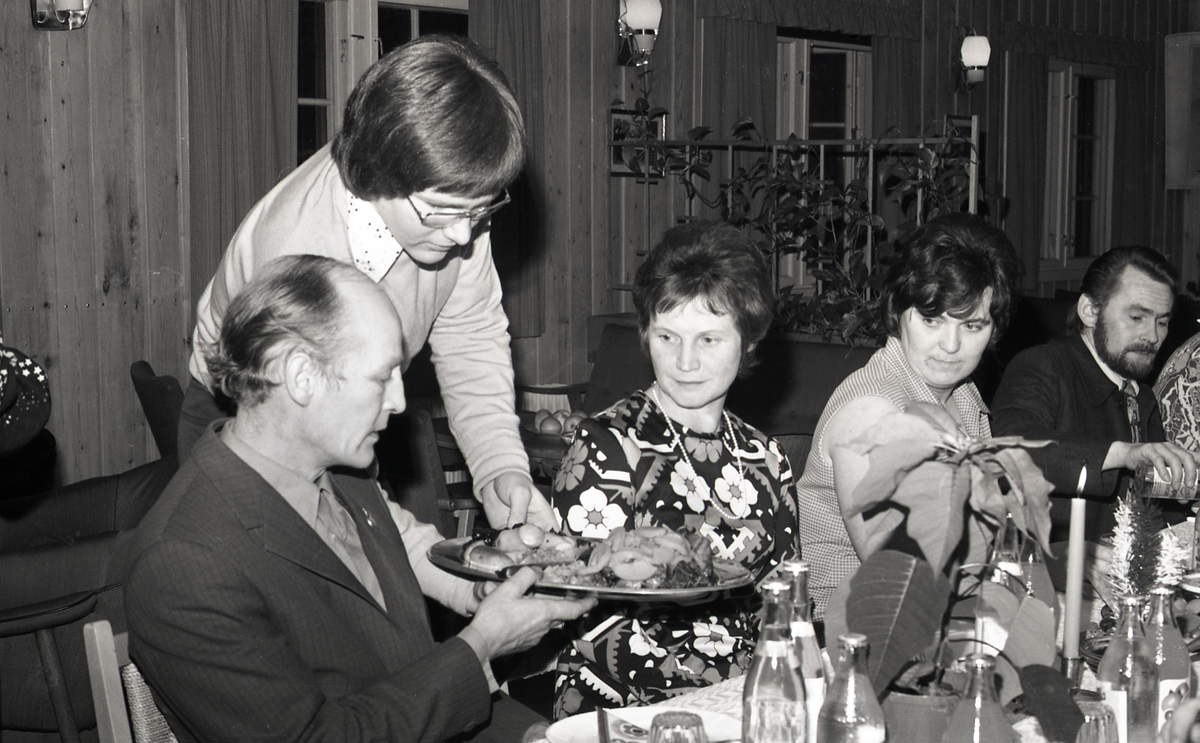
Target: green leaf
897, 601
934, 494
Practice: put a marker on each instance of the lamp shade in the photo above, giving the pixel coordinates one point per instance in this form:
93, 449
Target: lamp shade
641, 14
976, 51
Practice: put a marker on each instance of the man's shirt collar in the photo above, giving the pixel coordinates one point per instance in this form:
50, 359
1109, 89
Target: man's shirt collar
1117, 379
301, 493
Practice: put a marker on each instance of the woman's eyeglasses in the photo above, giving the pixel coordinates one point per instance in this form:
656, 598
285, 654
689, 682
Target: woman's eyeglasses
445, 218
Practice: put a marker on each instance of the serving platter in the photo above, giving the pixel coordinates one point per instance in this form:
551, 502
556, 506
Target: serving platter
448, 555
632, 725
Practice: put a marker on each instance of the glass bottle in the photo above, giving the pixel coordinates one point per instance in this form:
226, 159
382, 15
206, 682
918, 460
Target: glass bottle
1170, 653
1005, 561
1148, 482
808, 661
773, 696
1128, 677
978, 717
851, 713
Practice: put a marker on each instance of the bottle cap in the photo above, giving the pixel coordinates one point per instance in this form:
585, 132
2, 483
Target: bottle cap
853, 640
776, 587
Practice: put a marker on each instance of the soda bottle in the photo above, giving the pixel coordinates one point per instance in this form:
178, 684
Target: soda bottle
851, 713
1128, 676
773, 696
1170, 653
809, 660
978, 718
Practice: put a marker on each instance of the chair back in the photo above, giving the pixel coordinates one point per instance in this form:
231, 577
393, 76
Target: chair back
410, 463
125, 708
162, 398
620, 368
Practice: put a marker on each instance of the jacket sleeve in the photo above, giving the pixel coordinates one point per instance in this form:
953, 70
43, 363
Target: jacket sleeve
220, 667
474, 369
1034, 401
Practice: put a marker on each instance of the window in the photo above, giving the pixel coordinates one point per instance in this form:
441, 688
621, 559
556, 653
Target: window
401, 23
338, 41
314, 121
823, 92
824, 87
1079, 160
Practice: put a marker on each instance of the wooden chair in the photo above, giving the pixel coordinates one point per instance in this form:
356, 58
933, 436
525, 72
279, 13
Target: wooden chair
125, 708
162, 397
411, 463
40, 620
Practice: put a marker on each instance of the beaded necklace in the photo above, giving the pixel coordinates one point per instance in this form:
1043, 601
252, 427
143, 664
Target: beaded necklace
728, 438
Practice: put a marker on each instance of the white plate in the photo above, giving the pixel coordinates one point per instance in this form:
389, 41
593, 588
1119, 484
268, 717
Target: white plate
582, 728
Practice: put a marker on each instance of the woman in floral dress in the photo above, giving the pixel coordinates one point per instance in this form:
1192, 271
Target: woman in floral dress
673, 456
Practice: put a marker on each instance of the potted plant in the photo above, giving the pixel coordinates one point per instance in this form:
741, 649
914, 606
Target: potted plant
935, 503
790, 203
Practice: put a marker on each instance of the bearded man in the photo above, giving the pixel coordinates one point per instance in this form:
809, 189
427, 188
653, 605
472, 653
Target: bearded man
1091, 394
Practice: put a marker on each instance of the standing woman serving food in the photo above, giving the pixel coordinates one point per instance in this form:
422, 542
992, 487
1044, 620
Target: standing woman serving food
673, 456
948, 298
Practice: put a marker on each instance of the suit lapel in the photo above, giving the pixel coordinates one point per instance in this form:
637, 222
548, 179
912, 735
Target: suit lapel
263, 511
384, 547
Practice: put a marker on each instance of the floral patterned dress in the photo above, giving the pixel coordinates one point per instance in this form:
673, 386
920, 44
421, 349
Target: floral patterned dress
624, 470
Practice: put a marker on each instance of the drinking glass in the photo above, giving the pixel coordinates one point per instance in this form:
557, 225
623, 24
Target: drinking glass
677, 727
1099, 724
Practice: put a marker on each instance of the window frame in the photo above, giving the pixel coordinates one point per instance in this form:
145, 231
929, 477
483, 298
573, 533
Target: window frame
793, 67
1058, 261
352, 44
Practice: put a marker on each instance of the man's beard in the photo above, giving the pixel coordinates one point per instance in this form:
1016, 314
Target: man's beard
1127, 362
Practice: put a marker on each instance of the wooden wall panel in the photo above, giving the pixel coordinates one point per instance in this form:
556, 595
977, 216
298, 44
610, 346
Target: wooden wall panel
89, 202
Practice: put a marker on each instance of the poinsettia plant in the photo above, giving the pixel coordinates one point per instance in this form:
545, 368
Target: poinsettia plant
951, 494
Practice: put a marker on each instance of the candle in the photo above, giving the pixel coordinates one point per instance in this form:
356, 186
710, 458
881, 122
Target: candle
1075, 552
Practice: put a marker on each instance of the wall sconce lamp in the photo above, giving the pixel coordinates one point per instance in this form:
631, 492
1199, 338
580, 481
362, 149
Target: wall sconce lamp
59, 15
976, 51
637, 25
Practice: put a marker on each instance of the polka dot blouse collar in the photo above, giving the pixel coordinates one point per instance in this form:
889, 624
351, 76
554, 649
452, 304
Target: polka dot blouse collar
372, 246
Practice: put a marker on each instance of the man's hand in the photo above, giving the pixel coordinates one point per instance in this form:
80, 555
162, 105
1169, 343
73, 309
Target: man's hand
1170, 460
509, 620
512, 499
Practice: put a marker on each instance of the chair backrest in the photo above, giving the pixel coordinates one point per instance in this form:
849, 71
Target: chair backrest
619, 369
411, 463
162, 397
125, 708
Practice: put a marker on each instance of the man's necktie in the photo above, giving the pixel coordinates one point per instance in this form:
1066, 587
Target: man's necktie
1135, 420
334, 522
1132, 412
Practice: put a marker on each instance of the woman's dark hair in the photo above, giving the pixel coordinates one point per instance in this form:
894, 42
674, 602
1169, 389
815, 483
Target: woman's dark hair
716, 263
435, 113
1103, 276
946, 266
293, 305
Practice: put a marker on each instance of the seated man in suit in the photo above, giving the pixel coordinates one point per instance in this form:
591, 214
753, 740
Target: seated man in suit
1089, 393
274, 594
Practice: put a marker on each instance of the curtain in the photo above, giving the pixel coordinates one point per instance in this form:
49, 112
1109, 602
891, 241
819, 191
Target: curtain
1022, 211
241, 115
738, 74
893, 18
510, 30
895, 69
1137, 161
